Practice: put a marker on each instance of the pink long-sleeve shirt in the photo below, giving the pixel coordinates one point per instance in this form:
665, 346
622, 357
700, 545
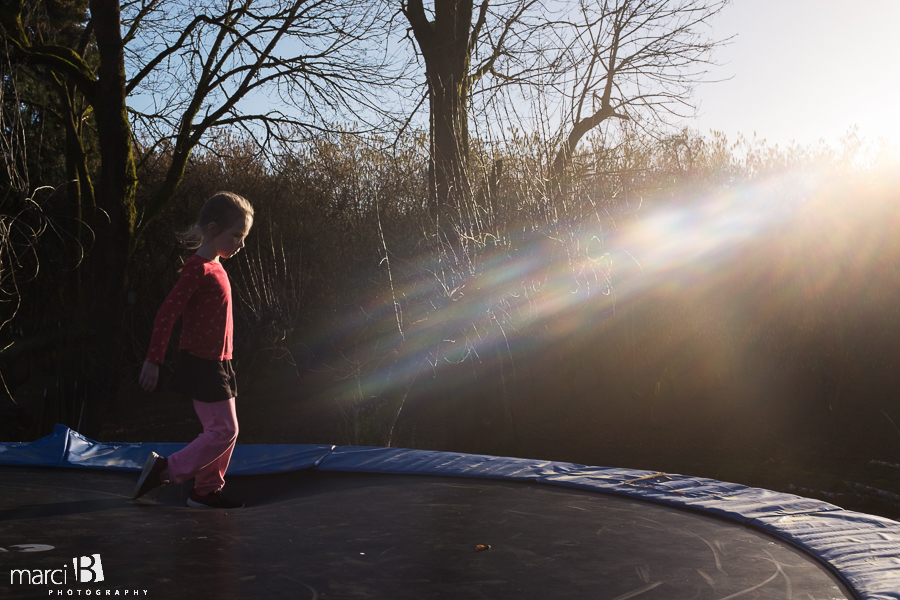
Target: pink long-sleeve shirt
203, 296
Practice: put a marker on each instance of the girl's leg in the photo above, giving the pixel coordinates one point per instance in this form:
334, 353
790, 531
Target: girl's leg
211, 478
207, 457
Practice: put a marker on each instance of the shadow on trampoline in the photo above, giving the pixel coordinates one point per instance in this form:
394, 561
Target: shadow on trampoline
58, 509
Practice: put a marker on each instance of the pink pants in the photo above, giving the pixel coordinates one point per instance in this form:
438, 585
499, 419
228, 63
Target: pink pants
206, 458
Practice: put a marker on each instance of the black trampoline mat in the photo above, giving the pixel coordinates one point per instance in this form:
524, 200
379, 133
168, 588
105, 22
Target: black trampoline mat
321, 535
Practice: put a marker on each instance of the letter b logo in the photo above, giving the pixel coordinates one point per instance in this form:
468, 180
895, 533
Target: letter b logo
88, 569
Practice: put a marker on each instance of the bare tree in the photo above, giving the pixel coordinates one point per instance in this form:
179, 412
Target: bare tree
307, 64
460, 46
190, 67
623, 59
171, 72
637, 60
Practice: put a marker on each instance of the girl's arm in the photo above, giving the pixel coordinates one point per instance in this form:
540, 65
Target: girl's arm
172, 307
149, 376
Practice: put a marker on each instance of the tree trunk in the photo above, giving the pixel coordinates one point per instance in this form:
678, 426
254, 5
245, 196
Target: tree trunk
579, 130
449, 183
82, 193
115, 195
444, 44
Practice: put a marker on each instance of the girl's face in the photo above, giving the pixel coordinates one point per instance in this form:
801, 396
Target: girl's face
226, 243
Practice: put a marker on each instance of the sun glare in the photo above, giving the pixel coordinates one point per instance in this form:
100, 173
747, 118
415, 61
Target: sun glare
804, 71
790, 241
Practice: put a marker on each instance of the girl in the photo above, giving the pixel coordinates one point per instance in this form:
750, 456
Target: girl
203, 368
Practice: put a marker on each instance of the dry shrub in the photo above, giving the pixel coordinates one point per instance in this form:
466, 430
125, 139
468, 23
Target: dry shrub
556, 302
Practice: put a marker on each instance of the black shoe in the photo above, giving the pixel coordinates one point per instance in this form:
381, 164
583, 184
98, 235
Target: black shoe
212, 500
151, 475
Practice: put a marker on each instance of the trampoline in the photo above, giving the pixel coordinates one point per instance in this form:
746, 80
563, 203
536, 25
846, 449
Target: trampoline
350, 522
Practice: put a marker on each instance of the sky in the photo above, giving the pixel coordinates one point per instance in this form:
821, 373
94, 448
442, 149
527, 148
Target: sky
796, 70
805, 70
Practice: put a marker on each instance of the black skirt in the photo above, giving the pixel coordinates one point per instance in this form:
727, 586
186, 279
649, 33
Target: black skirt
202, 379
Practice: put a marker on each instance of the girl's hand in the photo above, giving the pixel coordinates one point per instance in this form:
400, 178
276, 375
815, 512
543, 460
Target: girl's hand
149, 376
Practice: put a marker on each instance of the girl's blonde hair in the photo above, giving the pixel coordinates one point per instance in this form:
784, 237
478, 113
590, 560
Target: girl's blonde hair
223, 209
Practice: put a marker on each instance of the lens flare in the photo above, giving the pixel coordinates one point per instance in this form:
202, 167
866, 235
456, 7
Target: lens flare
749, 253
